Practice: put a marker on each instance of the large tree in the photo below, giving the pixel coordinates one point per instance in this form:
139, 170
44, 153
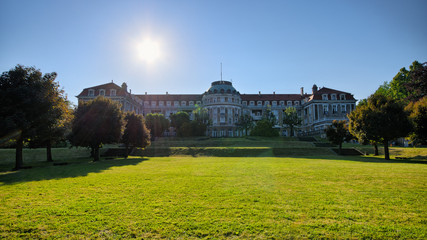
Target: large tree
56, 122
97, 122
136, 133
23, 104
381, 119
291, 119
337, 133
180, 122
418, 117
265, 126
245, 123
407, 85
157, 123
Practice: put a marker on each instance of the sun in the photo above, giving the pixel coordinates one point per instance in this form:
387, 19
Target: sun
149, 50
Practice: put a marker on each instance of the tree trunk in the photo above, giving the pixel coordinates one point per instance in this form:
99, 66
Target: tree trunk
386, 152
340, 148
18, 155
126, 151
375, 149
49, 151
96, 153
292, 131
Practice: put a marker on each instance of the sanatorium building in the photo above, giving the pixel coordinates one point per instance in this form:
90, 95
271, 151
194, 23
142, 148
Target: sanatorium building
225, 105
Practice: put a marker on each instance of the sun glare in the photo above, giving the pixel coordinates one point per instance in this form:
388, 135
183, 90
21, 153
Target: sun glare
149, 50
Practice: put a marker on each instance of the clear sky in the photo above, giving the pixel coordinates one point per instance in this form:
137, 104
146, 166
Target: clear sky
266, 46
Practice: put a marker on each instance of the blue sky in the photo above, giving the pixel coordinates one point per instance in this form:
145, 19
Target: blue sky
265, 46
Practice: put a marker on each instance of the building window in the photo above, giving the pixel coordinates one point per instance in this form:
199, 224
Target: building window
191, 103
198, 102
251, 103
325, 109
153, 103
113, 92
176, 103
334, 108
342, 96
343, 108
168, 103
274, 103
266, 103
161, 103
289, 103
226, 99
146, 103
282, 103
324, 96
183, 103
91, 93
333, 96
102, 92
296, 103
259, 103
244, 103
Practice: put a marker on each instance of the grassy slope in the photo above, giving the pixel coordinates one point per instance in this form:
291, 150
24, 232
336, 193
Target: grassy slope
308, 196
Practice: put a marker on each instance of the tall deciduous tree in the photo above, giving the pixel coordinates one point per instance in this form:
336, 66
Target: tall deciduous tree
97, 122
178, 120
418, 117
382, 119
337, 133
136, 133
157, 123
245, 123
53, 125
291, 119
22, 105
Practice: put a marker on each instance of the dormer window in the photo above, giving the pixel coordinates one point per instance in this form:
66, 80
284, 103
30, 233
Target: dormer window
324, 96
183, 103
333, 96
289, 103
296, 103
266, 103
146, 103
102, 92
91, 92
113, 92
161, 103
259, 103
191, 103
282, 103
168, 103
274, 103
176, 103
251, 103
244, 103
342, 96
198, 102
153, 103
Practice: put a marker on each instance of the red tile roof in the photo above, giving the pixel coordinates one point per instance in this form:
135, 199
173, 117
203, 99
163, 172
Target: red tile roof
170, 97
119, 91
318, 95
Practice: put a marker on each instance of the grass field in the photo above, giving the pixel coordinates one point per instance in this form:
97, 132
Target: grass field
185, 197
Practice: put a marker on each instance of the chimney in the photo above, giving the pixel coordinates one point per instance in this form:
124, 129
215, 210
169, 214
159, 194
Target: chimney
302, 91
130, 91
145, 93
259, 93
274, 93
167, 93
314, 88
125, 86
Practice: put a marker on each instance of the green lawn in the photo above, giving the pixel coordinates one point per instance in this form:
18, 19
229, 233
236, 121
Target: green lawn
188, 197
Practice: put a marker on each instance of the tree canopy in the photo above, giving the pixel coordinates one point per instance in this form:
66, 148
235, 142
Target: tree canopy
97, 122
418, 117
136, 133
29, 102
382, 119
337, 133
157, 124
291, 119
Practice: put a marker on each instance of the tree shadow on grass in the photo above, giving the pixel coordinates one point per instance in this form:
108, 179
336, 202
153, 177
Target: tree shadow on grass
65, 170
